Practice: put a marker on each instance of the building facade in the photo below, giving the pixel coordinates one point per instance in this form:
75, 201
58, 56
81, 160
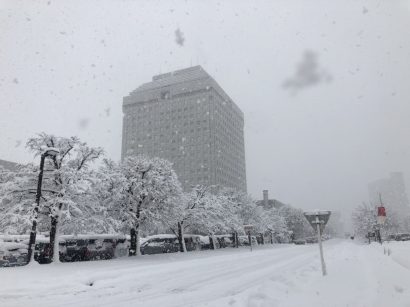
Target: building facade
268, 203
187, 118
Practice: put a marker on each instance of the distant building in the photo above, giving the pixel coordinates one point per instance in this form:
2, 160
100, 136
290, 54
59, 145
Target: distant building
267, 203
187, 118
11, 166
392, 191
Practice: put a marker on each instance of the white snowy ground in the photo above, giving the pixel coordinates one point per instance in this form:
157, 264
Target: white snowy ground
282, 275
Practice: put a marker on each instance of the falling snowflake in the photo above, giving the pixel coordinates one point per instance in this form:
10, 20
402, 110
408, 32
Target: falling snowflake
179, 37
83, 123
308, 73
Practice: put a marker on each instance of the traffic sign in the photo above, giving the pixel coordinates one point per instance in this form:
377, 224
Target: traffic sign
381, 215
315, 217
318, 219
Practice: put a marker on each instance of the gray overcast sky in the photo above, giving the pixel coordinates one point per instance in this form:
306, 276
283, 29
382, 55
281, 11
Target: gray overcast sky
65, 66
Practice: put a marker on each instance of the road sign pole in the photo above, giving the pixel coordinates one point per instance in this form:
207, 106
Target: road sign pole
318, 220
319, 239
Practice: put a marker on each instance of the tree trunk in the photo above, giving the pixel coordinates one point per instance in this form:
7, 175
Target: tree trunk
263, 239
137, 237
271, 238
137, 250
56, 246
235, 239
54, 242
213, 241
181, 239
52, 236
133, 242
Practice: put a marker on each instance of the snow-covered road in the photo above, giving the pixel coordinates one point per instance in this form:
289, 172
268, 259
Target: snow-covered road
284, 275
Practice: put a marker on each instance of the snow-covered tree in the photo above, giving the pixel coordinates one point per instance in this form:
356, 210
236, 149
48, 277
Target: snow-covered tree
214, 216
188, 211
66, 179
275, 225
139, 190
248, 213
296, 222
17, 194
364, 220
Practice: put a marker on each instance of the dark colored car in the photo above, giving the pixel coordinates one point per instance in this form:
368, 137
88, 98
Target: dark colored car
88, 249
299, 242
403, 237
13, 254
311, 240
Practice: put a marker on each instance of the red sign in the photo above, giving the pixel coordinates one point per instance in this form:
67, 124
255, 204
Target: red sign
381, 211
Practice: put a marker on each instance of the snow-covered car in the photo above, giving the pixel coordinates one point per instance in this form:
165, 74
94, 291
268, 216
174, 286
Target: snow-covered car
225, 240
93, 247
13, 254
244, 240
206, 243
83, 248
168, 243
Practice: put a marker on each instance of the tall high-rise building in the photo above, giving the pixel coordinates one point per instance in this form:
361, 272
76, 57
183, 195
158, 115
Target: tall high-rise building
187, 118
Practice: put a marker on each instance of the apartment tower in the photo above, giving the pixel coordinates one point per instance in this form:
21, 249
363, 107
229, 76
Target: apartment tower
187, 118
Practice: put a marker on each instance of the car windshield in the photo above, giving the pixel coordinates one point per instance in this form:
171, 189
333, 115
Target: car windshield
205, 153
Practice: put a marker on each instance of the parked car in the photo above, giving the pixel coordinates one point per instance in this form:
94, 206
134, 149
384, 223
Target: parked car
402, 237
311, 240
83, 248
299, 241
244, 241
13, 250
225, 240
13, 254
168, 243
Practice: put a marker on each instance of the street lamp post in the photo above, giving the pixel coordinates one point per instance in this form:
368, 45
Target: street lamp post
48, 152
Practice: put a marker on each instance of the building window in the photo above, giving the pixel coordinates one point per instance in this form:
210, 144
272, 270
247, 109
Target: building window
165, 95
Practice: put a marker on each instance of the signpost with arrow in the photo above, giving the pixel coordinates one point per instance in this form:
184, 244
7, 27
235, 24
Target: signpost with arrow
318, 220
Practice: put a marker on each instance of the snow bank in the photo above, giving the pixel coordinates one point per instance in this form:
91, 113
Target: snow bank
271, 275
